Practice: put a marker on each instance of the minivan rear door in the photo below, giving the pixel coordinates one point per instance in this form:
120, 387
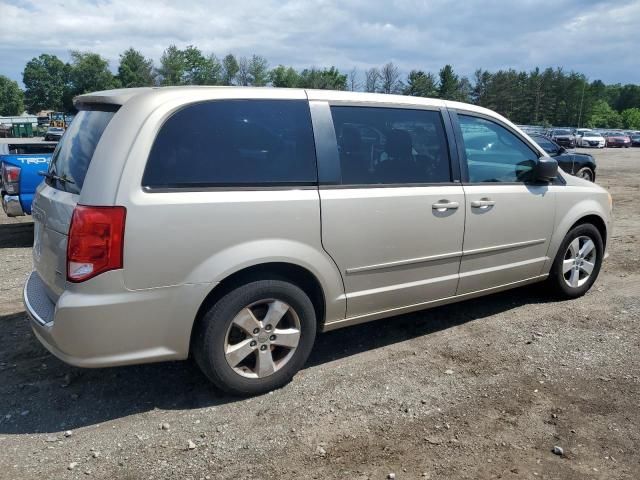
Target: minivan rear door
393, 217
58, 195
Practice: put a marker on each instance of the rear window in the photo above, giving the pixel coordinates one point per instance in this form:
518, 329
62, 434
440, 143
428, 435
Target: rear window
31, 148
234, 143
71, 159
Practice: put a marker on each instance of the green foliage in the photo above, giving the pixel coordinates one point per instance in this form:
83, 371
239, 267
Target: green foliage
631, 118
284, 77
229, 69
603, 116
88, 72
45, 79
421, 84
258, 70
200, 70
135, 70
11, 97
449, 84
172, 66
327, 78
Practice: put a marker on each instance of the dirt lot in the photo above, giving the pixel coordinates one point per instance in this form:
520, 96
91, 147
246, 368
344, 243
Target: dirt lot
482, 389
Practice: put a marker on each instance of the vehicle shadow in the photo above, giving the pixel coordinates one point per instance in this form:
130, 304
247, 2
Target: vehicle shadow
16, 235
41, 394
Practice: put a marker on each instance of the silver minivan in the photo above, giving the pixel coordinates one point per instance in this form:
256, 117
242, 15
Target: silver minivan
233, 224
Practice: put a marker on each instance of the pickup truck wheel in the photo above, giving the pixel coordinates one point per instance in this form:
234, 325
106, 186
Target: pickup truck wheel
586, 173
256, 337
577, 262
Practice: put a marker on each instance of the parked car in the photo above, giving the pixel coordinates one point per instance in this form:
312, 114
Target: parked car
635, 140
581, 165
20, 163
563, 137
590, 139
53, 134
284, 212
616, 139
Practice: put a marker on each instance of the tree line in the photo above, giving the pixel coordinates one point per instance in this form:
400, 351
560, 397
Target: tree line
538, 97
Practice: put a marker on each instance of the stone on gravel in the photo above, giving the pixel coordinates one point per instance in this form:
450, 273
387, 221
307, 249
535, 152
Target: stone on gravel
558, 450
164, 426
191, 445
72, 465
68, 433
321, 451
391, 476
449, 372
52, 439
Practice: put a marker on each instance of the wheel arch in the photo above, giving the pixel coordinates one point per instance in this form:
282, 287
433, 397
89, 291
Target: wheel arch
278, 270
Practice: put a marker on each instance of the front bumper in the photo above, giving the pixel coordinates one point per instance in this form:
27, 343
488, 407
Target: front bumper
108, 325
11, 205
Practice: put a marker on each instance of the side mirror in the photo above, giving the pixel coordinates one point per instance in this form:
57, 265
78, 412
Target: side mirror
546, 169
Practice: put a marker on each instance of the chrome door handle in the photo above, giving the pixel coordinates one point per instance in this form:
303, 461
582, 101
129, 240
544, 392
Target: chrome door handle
443, 205
484, 203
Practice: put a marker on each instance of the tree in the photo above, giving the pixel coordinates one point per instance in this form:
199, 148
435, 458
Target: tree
328, 78
198, 69
258, 70
284, 77
448, 88
243, 77
353, 82
631, 118
89, 72
390, 79
45, 80
11, 97
603, 116
371, 79
229, 69
135, 70
421, 84
172, 66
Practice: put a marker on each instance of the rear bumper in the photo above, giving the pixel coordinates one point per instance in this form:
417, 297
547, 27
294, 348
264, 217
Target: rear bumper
11, 205
106, 326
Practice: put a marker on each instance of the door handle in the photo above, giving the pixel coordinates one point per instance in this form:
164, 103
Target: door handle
483, 203
443, 205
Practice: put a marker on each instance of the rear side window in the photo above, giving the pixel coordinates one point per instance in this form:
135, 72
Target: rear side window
72, 157
391, 146
234, 143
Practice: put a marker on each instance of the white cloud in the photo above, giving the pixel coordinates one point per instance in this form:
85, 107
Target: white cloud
414, 34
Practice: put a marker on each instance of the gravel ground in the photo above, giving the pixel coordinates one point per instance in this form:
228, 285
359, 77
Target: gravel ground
483, 389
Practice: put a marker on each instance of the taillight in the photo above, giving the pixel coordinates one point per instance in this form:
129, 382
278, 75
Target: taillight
96, 241
11, 179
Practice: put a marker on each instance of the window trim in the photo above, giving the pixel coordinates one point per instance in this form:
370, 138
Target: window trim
463, 154
226, 187
335, 183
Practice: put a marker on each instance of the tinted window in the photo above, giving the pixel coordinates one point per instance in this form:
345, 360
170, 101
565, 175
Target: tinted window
71, 159
390, 145
31, 148
234, 143
494, 154
547, 145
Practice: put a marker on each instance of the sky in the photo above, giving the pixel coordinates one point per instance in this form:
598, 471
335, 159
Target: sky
600, 38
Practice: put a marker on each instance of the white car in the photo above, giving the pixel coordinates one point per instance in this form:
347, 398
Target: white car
590, 139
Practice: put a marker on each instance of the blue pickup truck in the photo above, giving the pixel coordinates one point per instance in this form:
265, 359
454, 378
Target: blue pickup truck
20, 162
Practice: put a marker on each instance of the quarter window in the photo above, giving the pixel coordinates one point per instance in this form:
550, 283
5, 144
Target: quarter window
391, 146
234, 143
494, 154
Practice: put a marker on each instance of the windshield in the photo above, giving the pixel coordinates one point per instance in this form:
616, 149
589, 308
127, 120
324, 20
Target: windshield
71, 159
561, 132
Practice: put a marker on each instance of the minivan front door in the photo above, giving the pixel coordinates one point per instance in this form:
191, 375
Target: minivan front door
509, 217
394, 221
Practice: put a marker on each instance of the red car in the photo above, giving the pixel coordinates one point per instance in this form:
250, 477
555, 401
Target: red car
616, 139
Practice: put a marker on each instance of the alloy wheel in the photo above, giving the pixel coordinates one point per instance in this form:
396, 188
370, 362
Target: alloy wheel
262, 338
579, 261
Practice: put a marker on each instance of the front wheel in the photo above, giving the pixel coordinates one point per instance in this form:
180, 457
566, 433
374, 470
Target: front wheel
586, 173
256, 337
577, 262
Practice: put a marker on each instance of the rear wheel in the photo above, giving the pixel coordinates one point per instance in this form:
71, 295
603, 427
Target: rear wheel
578, 262
586, 173
256, 337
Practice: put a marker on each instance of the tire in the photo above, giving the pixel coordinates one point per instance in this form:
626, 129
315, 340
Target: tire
586, 173
562, 282
218, 331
